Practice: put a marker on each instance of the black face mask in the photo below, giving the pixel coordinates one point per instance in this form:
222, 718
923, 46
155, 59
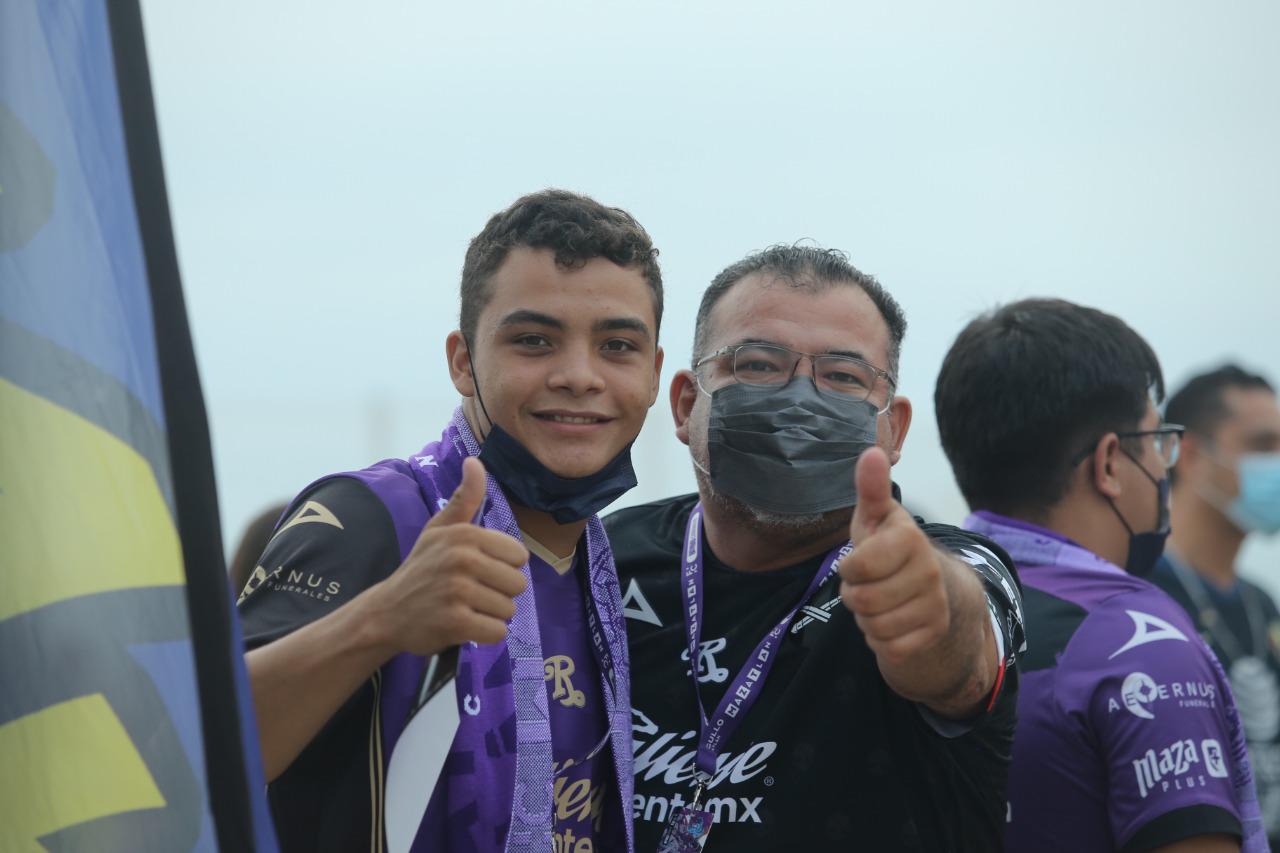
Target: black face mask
566, 499
1145, 548
529, 483
787, 449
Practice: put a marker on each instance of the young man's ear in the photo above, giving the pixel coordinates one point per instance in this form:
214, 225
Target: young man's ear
1102, 466
459, 357
657, 376
684, 393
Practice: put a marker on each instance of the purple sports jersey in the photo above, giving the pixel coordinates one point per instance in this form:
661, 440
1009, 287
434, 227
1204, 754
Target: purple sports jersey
586, 814
1127, 735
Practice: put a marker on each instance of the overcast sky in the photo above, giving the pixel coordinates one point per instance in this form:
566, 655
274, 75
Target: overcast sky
328, 162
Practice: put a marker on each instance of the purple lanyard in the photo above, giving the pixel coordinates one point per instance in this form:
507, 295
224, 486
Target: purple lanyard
747, 684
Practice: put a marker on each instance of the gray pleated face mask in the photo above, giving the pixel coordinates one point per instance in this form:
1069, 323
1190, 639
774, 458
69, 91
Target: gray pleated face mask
787, 449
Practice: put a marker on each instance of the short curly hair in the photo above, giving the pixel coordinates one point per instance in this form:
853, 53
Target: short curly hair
576, 228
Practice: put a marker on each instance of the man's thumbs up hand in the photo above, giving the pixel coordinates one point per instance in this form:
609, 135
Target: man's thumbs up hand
460, 581
893, 580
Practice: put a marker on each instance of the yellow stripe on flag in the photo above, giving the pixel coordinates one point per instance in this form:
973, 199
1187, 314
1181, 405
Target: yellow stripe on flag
80, 510
67, 764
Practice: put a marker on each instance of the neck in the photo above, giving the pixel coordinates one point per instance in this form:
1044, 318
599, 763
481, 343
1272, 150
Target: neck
1205, 538
750, 547
1093, 524
559, 539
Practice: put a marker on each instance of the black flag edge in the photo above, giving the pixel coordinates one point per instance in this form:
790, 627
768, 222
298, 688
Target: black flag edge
190, 455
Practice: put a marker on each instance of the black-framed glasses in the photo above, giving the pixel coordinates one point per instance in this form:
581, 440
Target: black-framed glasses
837, 375
1167, 439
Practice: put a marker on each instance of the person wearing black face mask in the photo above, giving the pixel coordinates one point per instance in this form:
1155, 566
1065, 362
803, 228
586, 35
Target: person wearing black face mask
812, 669
1128, 736
437, 644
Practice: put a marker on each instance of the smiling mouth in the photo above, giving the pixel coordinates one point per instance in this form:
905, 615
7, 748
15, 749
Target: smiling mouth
579, 420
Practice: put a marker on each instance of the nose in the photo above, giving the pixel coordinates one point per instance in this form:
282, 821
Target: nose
575, 370
812, 372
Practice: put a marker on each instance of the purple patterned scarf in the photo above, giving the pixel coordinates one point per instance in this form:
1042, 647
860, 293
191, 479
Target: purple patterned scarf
495, 790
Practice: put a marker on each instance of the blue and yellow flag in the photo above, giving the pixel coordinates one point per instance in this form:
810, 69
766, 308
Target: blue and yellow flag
125, 722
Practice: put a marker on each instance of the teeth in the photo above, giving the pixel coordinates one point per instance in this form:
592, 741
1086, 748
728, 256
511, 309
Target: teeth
566, 419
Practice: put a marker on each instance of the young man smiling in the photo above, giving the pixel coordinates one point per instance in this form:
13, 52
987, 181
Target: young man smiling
381, 584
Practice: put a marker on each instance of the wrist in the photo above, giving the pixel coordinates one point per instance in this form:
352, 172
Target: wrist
372, 624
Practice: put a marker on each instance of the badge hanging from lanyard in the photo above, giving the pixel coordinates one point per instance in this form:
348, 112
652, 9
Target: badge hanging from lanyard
689, 826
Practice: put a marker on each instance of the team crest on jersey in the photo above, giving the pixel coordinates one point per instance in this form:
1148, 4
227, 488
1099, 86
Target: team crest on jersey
708, 668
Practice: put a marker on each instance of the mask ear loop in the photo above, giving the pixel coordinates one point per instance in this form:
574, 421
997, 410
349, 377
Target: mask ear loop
475, 380
1163, 510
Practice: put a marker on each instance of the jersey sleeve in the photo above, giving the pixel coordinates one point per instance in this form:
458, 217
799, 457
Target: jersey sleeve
336, 540
1000, 581
1161, 714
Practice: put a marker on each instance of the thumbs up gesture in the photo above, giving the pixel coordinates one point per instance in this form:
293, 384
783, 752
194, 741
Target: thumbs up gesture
460, 581
894, 580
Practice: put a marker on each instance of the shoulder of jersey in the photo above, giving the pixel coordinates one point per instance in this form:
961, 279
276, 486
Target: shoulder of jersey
648, 532
1139, 621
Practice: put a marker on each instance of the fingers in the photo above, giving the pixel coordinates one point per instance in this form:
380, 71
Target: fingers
872, 599
912, 617
487, 601
875, 494
884, 554
500, 577
482, 629
466, 499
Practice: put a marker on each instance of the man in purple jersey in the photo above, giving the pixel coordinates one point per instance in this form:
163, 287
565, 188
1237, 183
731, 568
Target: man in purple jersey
437, 647
1128, 736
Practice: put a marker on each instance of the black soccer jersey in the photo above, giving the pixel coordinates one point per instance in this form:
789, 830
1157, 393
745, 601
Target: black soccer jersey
829, 758
337, 542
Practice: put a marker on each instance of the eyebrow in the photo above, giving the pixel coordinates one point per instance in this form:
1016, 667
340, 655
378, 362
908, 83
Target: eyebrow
525, 316
623, 324
766, 342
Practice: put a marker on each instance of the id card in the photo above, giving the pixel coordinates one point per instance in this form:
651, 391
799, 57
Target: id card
687, 830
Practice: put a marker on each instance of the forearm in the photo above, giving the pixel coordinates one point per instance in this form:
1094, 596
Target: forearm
955, 676
302, 679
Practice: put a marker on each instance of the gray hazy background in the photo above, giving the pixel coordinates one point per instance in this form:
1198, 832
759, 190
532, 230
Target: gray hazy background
328, 163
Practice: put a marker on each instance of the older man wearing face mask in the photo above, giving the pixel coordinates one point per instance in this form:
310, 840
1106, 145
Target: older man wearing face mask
812, 669
1227, 486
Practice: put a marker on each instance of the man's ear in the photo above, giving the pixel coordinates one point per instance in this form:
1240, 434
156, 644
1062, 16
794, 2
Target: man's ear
899, 418
459, 358
684, 393
1191, 456
1102, 466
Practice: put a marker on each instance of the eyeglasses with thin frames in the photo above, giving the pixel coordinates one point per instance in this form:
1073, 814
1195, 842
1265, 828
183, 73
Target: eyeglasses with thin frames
837, 375
1167, 441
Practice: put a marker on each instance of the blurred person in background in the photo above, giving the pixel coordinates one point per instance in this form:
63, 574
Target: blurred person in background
1226, 487
1128, 737
383, 585
252, 543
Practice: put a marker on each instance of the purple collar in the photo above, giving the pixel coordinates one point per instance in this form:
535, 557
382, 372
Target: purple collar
1032, 545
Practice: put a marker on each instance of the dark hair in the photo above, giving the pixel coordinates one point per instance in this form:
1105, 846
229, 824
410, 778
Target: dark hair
1025, 389
1198, 405
809, 268
254, 541
575, 227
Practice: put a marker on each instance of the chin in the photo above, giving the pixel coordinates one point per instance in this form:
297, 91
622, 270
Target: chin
786, 526
572, 469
